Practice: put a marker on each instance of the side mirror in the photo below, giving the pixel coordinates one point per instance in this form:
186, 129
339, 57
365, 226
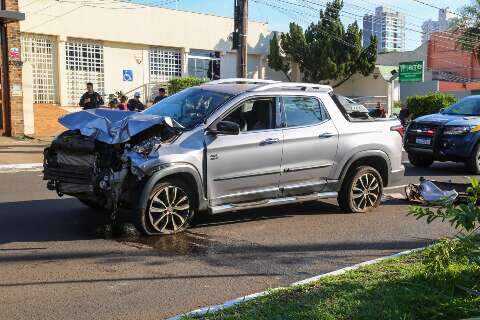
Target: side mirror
227, 128
441, 110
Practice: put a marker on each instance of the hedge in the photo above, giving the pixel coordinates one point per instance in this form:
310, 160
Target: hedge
429, 104
178, 84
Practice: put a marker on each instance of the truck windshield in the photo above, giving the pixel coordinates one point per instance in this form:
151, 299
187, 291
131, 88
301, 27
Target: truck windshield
190, 106
465, 107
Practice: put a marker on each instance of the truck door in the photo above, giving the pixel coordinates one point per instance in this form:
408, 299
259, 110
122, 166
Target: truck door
309, 147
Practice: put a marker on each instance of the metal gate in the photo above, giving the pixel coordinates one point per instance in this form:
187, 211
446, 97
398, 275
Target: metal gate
39, 51
84, 63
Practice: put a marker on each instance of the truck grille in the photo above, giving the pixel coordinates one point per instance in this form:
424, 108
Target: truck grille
69, 167
422, 135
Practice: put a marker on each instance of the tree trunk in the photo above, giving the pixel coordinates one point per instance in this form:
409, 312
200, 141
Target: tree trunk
343, 81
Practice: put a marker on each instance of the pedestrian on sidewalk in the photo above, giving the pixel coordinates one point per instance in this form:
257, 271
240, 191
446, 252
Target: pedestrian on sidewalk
123, 104
161, 95
135, 104
90, 99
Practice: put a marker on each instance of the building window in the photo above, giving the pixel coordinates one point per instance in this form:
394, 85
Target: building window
204, 64
39, 51
84, 63
165, 64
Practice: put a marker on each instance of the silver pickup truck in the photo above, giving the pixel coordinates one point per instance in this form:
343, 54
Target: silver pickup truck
224, 146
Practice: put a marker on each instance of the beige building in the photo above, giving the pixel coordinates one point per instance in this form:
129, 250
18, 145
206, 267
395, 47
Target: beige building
121, 46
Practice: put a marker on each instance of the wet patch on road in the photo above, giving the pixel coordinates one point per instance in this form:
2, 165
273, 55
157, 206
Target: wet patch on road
186, 243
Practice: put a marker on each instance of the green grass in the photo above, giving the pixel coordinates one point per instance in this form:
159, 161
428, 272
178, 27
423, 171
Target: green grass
393, 289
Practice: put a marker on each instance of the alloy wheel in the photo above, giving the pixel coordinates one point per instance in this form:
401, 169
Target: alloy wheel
169, 209
365, 191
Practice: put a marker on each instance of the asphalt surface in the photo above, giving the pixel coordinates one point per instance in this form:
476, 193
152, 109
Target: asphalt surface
57, 263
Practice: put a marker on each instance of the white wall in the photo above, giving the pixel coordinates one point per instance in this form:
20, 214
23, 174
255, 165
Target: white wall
119, 57
133, 23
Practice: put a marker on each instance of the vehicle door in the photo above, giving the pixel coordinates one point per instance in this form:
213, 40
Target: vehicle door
309, 147
246, 167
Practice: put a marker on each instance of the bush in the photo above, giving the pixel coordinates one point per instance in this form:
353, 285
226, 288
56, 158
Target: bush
430, 103
178, 84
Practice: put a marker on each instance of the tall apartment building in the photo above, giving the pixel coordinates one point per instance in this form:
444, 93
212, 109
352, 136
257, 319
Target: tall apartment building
445, 18
389, 28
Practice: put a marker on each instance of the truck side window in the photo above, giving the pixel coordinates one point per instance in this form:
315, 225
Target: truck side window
302, 111
255, 114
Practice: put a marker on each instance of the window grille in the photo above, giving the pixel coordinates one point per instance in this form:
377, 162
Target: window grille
84, 63
165, 64
39, 51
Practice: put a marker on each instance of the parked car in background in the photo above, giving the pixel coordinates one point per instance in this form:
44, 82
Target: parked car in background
225, 146
450, 135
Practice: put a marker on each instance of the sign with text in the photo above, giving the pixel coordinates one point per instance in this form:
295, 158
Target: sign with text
411, 71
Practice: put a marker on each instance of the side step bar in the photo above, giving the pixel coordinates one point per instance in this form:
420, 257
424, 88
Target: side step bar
270, 202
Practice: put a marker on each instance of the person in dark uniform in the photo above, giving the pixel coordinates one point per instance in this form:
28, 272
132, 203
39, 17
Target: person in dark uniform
161, 95
135, 104
90, 99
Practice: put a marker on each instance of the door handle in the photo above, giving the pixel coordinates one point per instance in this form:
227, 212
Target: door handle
326, 135
270, 141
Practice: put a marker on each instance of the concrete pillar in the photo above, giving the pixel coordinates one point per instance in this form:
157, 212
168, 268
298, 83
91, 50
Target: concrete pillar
28, 114
185, 53
61, 71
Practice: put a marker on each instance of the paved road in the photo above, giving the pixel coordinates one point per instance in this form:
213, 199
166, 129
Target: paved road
54, 264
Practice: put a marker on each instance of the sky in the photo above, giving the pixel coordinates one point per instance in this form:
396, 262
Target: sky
279, 13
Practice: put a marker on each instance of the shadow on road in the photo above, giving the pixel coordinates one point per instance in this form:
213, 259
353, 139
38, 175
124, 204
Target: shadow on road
47, 220
443, 169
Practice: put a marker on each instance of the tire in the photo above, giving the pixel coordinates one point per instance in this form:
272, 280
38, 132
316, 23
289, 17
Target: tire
361, 190
420, 161
473, 163
171, 207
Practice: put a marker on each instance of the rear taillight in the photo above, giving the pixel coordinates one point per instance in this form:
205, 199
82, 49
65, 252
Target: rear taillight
399, 129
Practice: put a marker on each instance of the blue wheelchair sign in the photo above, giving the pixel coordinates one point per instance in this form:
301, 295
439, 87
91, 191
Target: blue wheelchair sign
127, 75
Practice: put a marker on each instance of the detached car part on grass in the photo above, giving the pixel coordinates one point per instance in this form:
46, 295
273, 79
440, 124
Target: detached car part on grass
221, 147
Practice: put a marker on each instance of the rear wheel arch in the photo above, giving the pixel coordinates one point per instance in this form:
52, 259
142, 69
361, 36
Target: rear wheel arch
375, 159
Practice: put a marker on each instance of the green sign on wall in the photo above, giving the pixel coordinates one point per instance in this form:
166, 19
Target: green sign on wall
411, 71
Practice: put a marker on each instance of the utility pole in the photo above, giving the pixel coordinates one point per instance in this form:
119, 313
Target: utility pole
240, 36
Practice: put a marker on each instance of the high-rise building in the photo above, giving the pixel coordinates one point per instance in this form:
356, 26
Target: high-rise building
445, 18
389, 28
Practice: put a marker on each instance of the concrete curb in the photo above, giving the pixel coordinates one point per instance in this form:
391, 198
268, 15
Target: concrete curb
7, 168
231, 303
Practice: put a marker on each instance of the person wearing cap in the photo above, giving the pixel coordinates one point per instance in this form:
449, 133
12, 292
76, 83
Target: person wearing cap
135, 104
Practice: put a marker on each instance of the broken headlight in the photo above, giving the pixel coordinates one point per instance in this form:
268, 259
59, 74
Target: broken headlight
147, 146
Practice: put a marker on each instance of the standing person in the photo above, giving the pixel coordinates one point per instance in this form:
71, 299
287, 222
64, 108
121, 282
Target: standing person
161, 95
379, 111
123, 104
113, 104
405, 115
90, 99
135, 104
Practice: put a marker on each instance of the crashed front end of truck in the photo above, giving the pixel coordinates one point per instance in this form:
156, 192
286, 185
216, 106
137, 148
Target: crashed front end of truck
99, 159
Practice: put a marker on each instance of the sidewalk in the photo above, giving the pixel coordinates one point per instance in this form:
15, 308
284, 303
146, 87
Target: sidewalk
15, 151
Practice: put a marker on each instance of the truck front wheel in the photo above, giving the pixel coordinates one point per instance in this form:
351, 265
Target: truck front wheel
170, 209
361, 190
420, 161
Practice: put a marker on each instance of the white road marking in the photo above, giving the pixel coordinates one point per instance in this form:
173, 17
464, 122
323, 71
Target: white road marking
21, 167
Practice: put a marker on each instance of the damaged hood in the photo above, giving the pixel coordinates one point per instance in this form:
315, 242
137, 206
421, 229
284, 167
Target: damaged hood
113, 126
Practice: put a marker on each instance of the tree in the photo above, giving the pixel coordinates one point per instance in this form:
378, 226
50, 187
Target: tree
468, 26
276, 59
325, 51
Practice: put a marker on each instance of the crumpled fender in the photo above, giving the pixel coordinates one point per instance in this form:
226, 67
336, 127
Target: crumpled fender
112, 126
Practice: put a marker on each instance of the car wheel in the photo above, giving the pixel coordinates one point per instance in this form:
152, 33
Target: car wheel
361, 191
473, 164
170, 209
420, 161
